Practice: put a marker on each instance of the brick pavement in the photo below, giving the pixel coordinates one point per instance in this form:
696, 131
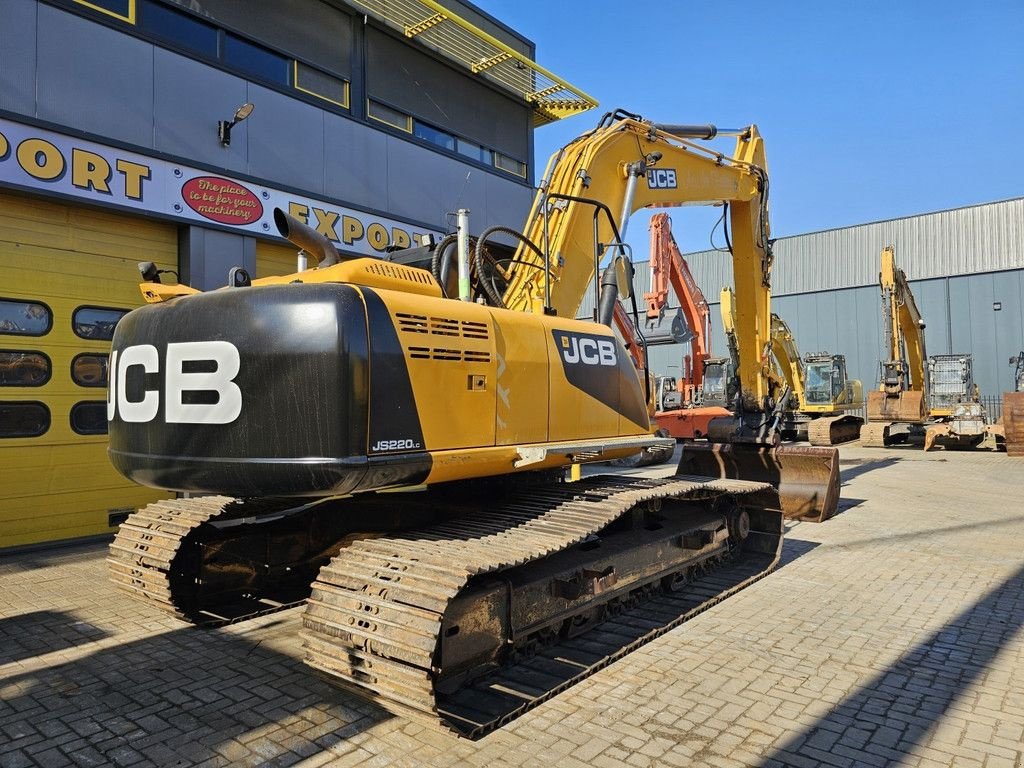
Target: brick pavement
891, 635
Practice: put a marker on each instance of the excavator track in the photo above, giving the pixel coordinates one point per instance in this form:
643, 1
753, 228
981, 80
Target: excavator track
150, 557
382, 612
834, 430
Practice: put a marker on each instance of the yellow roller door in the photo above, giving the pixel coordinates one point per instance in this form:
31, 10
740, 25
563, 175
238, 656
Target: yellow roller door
273, 259
67, 273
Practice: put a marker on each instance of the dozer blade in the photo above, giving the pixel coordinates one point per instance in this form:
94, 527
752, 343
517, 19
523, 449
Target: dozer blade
807, 479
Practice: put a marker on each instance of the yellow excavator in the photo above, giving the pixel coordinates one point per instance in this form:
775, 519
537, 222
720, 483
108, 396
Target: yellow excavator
386, 442
934, 394
901, 400
821, 393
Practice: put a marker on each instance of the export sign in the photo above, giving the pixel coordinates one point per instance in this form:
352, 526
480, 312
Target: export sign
54, 162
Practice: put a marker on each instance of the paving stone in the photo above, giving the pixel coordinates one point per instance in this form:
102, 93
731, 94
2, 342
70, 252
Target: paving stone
891, 634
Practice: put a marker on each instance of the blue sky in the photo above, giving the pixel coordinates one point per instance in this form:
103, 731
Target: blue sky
870, 110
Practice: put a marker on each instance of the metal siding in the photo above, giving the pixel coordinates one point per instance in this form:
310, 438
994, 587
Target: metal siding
930, 296
960, 330
285, 140
425, 185
188, 93
983, 332
1009, 329
981, 238
507, 204
100, 78
18, 58
356, 162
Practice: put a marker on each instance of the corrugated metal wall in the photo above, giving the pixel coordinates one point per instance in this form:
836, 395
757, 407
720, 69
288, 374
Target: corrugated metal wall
981, 238
962, 264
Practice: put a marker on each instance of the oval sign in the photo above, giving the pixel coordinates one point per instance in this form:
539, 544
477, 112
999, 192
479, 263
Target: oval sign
222, 200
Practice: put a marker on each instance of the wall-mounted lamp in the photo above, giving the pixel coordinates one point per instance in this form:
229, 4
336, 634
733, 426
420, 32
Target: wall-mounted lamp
997, 305
224, 126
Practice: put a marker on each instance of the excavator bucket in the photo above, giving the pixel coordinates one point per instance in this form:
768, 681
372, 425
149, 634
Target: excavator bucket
908, 407
807, 478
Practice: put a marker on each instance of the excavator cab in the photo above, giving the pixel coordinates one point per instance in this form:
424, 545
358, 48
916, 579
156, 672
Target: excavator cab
826, 379
717, 387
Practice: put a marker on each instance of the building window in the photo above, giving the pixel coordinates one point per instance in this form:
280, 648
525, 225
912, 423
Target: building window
96, 323
23, 369
90, 370
386, 114
318, 83
24, 318
24, 419
433, 135
119, 9
255, 60
89, 417
506, 163
178, 29
474, 151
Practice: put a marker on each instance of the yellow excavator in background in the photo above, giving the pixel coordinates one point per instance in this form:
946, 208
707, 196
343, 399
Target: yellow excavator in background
901, 399
386, 441
820, 395
936, 394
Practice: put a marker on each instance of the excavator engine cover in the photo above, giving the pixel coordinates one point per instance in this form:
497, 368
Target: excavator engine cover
807, 478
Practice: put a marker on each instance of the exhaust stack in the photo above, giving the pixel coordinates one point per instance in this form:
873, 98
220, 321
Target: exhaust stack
307, 238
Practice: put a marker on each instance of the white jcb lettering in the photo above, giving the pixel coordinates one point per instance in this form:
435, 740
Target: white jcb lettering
229, 396
112, 387
572, 353
589, 351
221, 356
146, 357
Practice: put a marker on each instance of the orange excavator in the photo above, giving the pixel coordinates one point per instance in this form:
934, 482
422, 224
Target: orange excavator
681, 409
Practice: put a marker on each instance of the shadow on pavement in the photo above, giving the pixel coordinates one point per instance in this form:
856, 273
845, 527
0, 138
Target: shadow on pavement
32, 634
865, 466
47, 555
884, 720
177, 699
794, 549
987, 524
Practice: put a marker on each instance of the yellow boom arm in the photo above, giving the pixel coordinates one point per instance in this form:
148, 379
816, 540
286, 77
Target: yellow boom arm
591, 187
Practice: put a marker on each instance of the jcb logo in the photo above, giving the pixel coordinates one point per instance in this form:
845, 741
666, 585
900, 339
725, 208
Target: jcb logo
661, 178
583, 349
220, 356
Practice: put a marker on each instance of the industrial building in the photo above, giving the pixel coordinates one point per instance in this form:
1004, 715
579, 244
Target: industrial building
163, 131
965, 267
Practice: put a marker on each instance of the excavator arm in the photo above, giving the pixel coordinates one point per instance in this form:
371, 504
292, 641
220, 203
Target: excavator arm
788, 357
591, 187
669, 270
904, 329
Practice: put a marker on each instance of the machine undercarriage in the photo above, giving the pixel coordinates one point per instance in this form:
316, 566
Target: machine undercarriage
499, 596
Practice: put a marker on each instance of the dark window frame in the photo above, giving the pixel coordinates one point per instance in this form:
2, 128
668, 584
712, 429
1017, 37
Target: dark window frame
46, 357
44, 406
95, 306
43, 304
310, 97
71, 370
77, 406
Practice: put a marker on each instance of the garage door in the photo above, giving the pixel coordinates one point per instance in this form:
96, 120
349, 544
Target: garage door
273, 259
67, 275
